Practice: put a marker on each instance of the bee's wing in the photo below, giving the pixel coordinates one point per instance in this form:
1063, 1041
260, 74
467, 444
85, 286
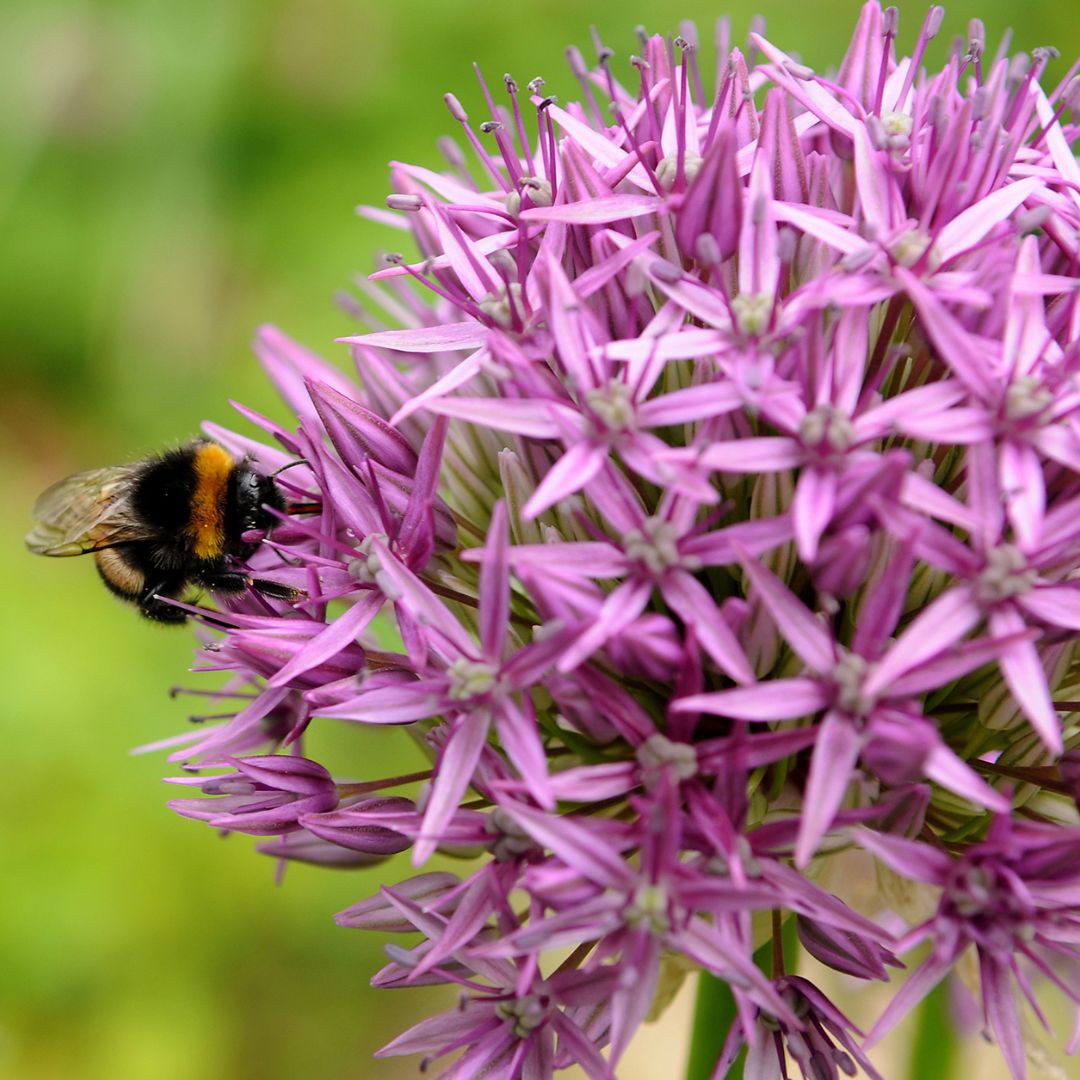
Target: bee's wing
86, 512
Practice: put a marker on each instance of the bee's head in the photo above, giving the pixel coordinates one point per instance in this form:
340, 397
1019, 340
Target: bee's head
249, 495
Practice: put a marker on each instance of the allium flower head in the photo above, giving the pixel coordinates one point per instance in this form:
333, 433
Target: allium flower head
707, 505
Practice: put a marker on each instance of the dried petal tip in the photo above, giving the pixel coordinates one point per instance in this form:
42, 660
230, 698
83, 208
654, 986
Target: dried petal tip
976, 39
455, 107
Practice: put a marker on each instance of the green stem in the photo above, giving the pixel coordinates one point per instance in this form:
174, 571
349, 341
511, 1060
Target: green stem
714, 1010
934, 1051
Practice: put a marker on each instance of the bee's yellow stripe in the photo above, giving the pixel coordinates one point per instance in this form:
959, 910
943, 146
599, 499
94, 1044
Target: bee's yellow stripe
206, 526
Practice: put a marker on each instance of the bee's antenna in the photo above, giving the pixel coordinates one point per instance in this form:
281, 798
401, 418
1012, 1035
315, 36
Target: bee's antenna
290, 465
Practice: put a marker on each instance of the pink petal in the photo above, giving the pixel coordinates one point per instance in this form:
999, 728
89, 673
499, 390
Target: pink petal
421, 602
1022, 485
570, 473
1023, 671
466, 260
494, 586
1000, 1003
965, 230
693, 403
831, 768
529, 418
956, 346
777, 699
337, 635
812, 509
576, 844
933, 630
519, 734
1058, 605
802, 630
426, 339
766, 453
584, 558
458, 375
822, 225
454, 773
873, 183
952, 772
807, 92
598, 211
691, 601
620, 608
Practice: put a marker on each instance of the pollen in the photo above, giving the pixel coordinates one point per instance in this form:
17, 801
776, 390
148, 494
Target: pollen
206, 527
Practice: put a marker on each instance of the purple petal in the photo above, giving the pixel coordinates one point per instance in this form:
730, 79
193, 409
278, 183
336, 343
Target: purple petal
436, 1032
570, 473
956, 346
426, 339
803, 632
950, 771
597, 211
917, 985
831, 768
908, 858
634, 992
529, 418
933, 630
1000, 1002
454, 773
1023, 670
358, 433
691, 601
519, 735
1057, 605
579, 846
338, 635
965, 230
1024, 490
423, 511
812, 509
389, 705
459, 375
777, 699
494, 586
767, 453
713, 201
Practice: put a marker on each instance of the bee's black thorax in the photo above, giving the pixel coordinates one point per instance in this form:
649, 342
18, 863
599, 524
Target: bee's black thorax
163, 492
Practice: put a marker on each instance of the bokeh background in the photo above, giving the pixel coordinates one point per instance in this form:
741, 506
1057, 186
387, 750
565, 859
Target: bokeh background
172, 175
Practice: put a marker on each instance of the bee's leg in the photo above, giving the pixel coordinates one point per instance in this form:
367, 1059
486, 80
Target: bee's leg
229, 581
234, 581
276, 589
153, 605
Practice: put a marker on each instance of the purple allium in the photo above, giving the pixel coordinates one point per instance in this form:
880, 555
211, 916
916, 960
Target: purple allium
713, 509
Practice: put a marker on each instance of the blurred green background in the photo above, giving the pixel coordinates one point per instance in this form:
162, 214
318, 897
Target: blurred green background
171, 175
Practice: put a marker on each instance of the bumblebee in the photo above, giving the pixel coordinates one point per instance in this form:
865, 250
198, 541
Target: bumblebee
158, 526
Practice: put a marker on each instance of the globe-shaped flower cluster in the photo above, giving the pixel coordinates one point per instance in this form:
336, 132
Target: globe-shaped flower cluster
714, 512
